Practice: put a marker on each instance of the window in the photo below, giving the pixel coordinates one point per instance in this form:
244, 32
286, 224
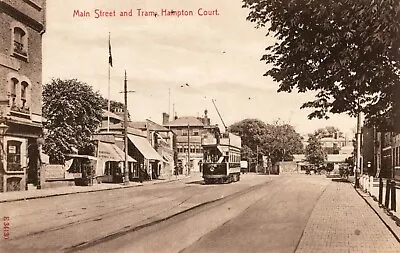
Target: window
195, 133
20, 41
19, 98
14, 156
13, 88
24, 88
184, 133
192, 149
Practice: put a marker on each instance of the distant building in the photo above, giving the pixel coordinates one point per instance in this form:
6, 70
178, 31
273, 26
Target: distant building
22, 27
335, 143
142, 139
189, 132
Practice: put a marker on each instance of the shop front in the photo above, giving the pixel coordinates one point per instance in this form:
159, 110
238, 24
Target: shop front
110, 168
149, 159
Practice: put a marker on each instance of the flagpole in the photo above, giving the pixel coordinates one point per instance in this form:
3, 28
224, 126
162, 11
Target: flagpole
109, 78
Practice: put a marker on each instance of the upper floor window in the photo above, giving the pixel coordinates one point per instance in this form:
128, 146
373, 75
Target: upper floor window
24, 88
19, 94
19, 41
13, 89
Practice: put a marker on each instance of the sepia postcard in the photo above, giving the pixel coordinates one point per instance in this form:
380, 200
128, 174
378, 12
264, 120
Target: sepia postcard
199, 126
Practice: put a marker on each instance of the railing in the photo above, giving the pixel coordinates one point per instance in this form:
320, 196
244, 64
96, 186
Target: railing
22, 109
19, 48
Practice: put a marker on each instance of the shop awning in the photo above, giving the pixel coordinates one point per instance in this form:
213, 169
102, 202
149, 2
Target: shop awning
144, 147
111, 152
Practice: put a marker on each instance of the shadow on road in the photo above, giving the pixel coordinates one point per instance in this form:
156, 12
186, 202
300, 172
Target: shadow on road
340, 180
196, 182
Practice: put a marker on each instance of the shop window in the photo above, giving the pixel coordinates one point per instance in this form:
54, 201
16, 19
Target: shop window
14, 156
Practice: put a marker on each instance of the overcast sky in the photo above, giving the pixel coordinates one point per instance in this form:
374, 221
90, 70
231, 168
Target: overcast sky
217, 56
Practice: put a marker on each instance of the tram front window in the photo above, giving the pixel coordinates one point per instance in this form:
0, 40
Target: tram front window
211, 155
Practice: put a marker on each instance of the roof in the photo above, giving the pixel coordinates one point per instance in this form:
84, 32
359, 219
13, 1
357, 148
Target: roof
299, 157
144, 147
151, 125
107, 114
111, 152
337, 158
184, 121
137, 124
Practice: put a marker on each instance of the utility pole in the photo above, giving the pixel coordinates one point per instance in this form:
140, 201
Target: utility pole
358, 171
257, 160
188, 153
126, 171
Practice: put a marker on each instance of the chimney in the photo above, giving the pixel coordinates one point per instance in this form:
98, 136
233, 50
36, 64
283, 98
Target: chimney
206, 120
165, 118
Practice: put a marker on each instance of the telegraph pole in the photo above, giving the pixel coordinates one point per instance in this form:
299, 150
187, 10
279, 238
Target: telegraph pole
257, 161
188, 154
126, 171
358, 171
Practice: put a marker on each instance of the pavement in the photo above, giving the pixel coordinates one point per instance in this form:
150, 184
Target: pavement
66, 190
342, 221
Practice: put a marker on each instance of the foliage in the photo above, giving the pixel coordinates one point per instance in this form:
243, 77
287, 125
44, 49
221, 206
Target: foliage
278, 141
315, 154
73, 112
114, 105
346, 51
329, 131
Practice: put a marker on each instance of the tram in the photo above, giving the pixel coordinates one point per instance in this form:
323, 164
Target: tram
221, 163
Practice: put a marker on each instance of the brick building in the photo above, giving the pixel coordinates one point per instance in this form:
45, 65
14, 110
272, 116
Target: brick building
189, 133
21, 29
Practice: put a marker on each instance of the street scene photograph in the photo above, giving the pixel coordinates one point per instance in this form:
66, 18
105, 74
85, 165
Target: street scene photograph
200, 126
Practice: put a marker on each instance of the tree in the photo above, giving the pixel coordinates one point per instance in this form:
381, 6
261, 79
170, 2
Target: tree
252, 132
329, 131
282, 142
278, 141
314, 152
347, 52
73, 112
114, 105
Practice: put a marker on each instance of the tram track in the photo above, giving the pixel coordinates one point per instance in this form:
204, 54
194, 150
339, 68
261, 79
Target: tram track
139, 226
102, 214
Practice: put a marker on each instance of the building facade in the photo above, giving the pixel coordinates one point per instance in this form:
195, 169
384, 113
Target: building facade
189, 133
21, 29
162, 140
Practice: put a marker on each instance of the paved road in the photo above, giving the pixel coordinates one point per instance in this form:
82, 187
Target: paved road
269, 218
61, 223
257, 214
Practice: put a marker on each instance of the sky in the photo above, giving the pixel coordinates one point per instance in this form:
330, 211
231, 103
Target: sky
212, 57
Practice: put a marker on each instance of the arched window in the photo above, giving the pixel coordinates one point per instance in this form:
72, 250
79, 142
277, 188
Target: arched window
13, 90
24, 91
19, 41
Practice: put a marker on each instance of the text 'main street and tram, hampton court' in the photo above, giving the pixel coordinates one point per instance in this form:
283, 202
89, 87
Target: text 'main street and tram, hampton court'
98, 13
